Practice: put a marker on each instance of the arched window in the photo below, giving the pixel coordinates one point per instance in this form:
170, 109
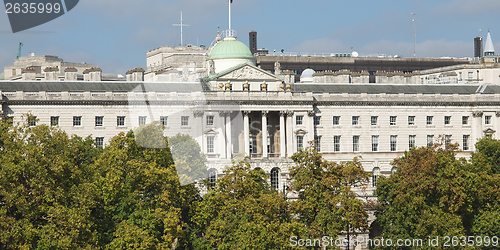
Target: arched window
376, 173
275, 178
212, 178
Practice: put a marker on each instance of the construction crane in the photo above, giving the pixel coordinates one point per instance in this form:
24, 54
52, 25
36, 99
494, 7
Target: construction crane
19, 51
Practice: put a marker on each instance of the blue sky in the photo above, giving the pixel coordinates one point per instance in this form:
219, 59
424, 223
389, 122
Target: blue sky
116, 34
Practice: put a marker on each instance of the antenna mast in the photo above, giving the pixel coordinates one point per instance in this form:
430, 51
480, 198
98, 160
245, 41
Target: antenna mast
181, 25
230, 2
414, 37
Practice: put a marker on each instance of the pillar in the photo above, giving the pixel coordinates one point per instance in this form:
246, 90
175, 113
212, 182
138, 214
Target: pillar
264, 133
198, 116
310, 128
289, 133
477, 127
246, 132
222, 135
282, 134
229, 139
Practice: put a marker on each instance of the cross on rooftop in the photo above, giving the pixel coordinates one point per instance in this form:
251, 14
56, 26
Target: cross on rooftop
181, 25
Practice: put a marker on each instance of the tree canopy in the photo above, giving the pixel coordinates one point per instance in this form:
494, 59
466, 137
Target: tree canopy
58, 192
434, 194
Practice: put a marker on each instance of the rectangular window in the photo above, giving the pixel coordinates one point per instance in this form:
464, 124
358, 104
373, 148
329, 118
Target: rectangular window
374, 143
32, 121
355, 120
465, 120
411, 141
411, 120
77, 121
299, 119
429, 120
317, 143
184, 120
465, 142
470, 75
336, 143
430, 140
99, 142
336, 120
355, 143
447, 139
142, 120
300, 142
210, 120
392, 120
99, 121
317, 120
164, 120
394, 141
54, 121
447, 120
487, 119
374, 120
120, 121
210, 144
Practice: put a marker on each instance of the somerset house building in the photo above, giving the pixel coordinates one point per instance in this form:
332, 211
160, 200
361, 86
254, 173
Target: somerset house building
232, 108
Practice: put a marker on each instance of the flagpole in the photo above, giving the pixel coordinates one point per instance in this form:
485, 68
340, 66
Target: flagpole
229, 1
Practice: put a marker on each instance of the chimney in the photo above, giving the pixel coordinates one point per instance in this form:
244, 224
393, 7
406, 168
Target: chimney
51, 73
28, 74
70, 74
92, 74
135, 75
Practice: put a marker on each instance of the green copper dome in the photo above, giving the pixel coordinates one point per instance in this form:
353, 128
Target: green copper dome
230, 48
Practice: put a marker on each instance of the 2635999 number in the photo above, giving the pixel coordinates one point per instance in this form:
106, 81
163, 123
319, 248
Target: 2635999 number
470, 241
32, 8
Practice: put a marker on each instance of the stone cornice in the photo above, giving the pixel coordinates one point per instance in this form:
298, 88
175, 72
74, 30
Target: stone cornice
251, 103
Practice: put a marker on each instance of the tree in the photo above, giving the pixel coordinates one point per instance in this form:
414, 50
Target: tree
434, 194
189, 159
327, 205
58, 192
45, 199
244, 212
144, 205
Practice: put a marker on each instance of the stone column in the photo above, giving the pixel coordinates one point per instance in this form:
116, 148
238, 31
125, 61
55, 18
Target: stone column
477, 127
289, 133
198, 116
310, 128
246, 132
222, 135
229, 141
264, 133
282, 134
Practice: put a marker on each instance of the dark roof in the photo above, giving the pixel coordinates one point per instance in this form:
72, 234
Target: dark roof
121, 86
98, 86
394, 88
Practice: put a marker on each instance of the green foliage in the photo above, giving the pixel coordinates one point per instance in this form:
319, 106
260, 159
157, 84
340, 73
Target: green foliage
244, 212
327, 205
58, 192
189, 159
45, 196
435, 194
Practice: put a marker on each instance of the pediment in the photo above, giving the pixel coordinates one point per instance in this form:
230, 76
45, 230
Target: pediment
300, 132
246, 72
489, 131
210, 131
